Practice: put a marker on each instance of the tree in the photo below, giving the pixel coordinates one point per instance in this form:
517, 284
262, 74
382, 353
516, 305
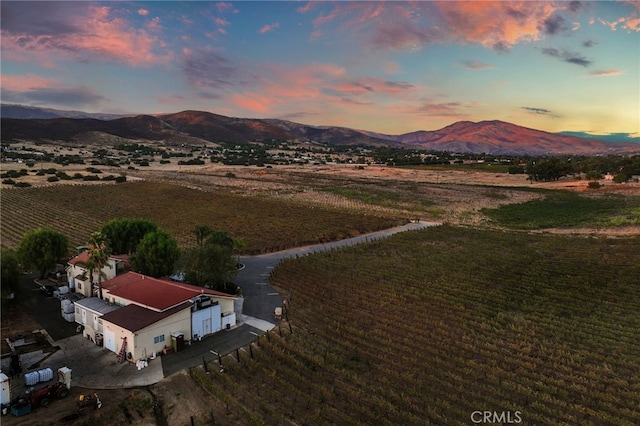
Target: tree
98, 258
124, 235
201, 232
10, 275
211, 263
156, 254
42, 248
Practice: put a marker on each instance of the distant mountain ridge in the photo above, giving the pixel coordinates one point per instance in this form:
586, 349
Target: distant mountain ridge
26, 112
490, 137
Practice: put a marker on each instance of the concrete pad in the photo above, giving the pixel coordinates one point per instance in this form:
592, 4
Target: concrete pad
257, 323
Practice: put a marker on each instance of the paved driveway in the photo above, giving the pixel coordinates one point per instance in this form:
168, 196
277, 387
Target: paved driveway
45, 309
260, 299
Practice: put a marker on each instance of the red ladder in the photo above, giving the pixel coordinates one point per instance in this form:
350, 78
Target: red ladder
123, 350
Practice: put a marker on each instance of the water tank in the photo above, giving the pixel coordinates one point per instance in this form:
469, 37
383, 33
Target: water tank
45, 375
32, 378
5, 389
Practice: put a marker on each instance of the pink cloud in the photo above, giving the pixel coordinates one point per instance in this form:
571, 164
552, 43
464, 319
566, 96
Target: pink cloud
225, 7
23, 83
221, 22
93, 33
143, 12
605, 73
252, 101
268, 28
495, 24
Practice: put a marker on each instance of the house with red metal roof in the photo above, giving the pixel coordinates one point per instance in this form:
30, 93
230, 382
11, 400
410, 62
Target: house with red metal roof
157, 315
79, 276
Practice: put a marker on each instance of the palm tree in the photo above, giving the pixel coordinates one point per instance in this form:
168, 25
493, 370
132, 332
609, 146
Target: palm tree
98, 257
201, 232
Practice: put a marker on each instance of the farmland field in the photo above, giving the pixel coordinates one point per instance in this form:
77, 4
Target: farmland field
426, 327
421, 328
265, 224
568, 209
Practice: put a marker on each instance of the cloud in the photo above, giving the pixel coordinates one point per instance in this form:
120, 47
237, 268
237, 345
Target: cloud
605, 73
431, 108
269, 27
398, 35
576, 6
225, 7
51, 32
566, 56
31, 89
212, 73
476, 65
143, 12
554, 24
497, 25
252, 101
589, 43
371, 85
539, 111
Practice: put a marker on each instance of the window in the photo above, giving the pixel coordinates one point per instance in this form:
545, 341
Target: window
79, 286
158, 339
78, 311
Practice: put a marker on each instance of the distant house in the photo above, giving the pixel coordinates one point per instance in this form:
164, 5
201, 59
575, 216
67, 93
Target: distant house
79, 278
157, 313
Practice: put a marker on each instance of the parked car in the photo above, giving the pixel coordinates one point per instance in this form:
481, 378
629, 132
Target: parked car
47, 289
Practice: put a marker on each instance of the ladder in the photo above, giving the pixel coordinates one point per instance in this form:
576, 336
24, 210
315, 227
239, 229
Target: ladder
123, 350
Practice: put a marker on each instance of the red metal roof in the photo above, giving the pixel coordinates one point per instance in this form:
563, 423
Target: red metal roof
84, 258
135, 318
153, 293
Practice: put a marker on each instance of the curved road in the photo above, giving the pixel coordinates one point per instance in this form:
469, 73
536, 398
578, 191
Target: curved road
260, 299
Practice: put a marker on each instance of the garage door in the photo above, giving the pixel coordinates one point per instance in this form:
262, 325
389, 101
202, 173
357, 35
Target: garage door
110, 340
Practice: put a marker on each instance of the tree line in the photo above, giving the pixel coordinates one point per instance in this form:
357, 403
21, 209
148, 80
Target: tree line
152, 251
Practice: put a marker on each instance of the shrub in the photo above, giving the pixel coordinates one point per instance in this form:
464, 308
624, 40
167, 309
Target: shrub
53, 179
109, 177
22, 185
91, 178
9, 182
594, 185
121, 179
77, 176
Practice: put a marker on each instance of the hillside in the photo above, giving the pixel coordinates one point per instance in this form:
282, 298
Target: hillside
491, 137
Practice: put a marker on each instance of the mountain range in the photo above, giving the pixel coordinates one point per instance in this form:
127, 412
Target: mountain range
491, 137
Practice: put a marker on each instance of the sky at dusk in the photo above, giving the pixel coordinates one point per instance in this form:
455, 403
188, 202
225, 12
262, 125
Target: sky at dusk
389, 67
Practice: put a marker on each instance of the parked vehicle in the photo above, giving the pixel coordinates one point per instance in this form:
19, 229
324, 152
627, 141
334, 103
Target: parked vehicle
47, 289
31, 400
